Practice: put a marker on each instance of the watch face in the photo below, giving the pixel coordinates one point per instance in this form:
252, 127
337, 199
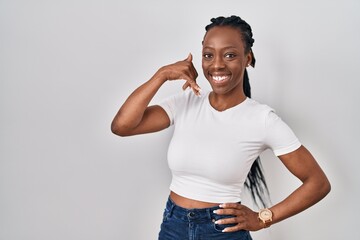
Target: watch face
265, 214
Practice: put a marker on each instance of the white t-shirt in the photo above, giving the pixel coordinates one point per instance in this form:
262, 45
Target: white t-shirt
211, 152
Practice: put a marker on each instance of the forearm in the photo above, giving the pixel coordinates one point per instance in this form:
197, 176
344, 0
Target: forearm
135, 117
309, 193
131, 112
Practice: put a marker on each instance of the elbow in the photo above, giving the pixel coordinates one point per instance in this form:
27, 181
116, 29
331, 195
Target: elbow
119, 130
115, 129
324, 188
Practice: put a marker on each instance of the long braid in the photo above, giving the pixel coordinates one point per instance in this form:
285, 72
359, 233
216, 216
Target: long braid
255, 181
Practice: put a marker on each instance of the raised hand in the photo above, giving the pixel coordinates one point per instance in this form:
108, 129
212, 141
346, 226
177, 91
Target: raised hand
184, 70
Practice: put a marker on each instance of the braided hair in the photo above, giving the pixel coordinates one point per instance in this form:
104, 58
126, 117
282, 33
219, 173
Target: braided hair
255, 181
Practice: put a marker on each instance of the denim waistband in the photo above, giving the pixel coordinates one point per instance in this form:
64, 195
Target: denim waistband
190, 215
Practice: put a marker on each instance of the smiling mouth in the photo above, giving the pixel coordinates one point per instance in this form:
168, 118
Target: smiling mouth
219, 78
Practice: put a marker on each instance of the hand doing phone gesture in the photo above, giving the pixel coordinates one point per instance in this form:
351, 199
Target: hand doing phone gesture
182, 70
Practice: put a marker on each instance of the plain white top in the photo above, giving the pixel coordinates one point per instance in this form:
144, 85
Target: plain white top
211, 152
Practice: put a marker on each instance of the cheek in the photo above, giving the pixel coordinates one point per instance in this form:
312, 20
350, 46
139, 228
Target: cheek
238, 66
204, 66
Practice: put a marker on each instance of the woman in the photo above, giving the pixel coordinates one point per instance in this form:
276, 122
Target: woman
217, 139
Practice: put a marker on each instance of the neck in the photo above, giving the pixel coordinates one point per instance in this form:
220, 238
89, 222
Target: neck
222, 102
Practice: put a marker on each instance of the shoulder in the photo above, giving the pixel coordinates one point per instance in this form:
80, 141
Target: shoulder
184, 101
257, 109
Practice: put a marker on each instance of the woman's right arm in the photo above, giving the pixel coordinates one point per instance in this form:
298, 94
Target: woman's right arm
136, 116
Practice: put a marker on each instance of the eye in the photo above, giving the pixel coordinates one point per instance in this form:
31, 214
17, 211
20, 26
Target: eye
230, 55
207, 56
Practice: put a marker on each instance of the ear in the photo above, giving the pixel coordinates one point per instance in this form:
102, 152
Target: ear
251, 58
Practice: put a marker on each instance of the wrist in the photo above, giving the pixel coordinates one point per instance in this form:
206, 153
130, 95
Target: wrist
160, 76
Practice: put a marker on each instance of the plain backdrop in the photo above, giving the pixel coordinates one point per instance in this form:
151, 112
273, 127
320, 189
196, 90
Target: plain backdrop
67, 66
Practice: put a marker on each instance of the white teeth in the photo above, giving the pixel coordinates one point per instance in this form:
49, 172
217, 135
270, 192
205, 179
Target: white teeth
219, 78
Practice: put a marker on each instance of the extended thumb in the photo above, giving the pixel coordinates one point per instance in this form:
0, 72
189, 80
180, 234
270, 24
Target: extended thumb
189, 58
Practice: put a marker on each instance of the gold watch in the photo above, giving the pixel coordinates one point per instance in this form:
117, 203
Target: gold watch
265, 215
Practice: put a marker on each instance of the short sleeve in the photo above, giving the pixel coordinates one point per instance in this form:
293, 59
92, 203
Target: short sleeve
279, 137
170, 105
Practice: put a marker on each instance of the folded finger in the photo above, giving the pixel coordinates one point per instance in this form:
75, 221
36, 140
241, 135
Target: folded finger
194, 86
186, 85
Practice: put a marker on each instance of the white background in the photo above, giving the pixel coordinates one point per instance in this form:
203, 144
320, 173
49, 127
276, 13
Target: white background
66, 67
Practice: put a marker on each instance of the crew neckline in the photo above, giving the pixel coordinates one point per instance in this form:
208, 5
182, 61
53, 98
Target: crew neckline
226, 110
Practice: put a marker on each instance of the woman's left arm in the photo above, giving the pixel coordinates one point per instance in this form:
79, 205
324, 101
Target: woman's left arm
315, 186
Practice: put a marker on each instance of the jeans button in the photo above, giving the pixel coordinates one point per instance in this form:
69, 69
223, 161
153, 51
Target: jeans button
191, 214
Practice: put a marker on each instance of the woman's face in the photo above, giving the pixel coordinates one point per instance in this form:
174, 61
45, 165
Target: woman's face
224, 60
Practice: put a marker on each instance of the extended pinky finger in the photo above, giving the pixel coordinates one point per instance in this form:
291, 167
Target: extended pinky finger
196, 89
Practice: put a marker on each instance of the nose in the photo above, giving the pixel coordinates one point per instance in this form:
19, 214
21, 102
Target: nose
218, 62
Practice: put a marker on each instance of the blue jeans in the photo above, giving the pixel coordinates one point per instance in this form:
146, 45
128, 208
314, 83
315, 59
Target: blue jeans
195, 224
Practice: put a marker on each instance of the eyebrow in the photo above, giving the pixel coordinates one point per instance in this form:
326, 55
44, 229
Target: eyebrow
228, 47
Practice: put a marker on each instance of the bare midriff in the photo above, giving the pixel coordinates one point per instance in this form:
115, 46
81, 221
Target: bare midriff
190, 203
